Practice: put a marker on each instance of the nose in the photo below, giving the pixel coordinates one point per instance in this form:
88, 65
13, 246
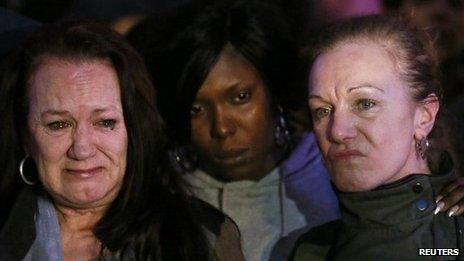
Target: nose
223, 124
83, 146
342, 127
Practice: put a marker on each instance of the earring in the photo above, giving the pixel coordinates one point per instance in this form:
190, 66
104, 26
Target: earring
21, 172
281, 133
422, 146
182, 159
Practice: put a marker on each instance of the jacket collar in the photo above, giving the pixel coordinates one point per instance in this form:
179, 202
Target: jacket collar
407, 200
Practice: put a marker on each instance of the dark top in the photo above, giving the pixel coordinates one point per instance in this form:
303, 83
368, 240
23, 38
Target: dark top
388, 223
18, 233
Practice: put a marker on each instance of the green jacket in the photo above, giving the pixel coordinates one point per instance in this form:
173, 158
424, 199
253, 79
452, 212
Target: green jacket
391, 222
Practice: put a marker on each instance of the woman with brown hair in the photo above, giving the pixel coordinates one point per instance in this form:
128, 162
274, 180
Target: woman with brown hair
82, 159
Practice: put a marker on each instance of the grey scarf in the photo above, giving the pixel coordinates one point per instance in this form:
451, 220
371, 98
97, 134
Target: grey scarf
46, 246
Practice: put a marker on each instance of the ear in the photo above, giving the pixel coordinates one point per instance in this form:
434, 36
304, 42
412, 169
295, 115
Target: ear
426, 113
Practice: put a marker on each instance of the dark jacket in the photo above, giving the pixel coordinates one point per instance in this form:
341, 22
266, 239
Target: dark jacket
18, 233
391, 222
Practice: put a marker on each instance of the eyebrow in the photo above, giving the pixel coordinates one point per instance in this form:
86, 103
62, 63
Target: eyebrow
229, 89
54, 112
104, 109
313, 96
364, 86
67, 113
233, 87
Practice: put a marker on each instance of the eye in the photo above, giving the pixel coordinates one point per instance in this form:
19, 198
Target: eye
365, 104
242, 97
58, 125
196, 110
321, 112
108, 124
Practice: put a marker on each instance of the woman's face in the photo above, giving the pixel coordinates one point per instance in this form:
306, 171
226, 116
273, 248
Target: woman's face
78, 138
232, 126
364, 116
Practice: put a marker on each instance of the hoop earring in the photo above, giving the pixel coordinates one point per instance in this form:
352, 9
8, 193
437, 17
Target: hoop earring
21, 172
281, 133
422, 146
182, 159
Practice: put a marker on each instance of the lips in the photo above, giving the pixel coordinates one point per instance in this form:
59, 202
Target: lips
345, 155
230, 153
84, 172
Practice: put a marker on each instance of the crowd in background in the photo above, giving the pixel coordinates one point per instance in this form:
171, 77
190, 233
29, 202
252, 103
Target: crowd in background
442, 19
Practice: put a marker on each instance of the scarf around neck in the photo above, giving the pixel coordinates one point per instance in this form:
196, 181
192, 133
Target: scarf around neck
47, 245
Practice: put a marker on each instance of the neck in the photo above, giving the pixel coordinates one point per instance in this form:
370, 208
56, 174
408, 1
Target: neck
424, 167
415, 165
78, 241
79, 219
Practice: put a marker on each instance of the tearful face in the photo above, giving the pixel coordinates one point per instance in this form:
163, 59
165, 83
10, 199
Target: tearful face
364, 116
77, 135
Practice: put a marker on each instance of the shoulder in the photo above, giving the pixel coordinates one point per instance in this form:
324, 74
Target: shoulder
317, 242
226, 242
18, 232
22, 211
208, 216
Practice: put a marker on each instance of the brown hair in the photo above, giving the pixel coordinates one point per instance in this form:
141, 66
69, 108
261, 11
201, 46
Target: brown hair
151, 216
411, 51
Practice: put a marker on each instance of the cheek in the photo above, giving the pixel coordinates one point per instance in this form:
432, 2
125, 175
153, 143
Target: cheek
116, 142
48, 152
390, 143
390, 133
257, 122
200, 133
202, 141
113, 146
320, 130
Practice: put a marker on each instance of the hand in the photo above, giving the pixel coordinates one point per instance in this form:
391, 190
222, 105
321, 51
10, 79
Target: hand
451, 198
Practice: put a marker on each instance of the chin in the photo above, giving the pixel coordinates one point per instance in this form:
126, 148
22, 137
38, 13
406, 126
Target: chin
352, 187
233, 175
90, 196
354, 183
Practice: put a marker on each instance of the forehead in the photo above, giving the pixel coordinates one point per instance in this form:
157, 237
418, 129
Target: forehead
352, 64
65, 83
230, 69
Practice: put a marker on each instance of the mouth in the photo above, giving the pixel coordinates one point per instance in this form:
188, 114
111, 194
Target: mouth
230, 154
85, 173
345, 155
